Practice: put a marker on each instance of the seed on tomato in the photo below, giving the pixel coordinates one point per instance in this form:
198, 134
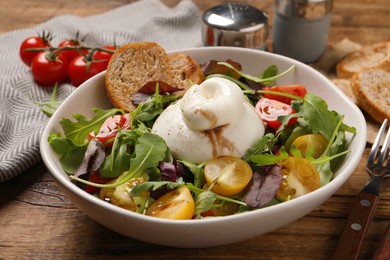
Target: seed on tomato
296, 90
110, 129
299, 178
269, 110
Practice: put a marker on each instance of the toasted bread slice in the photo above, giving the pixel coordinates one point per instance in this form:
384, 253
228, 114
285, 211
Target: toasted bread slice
186, 71
131, 67
134, 65
372, 91
373, 56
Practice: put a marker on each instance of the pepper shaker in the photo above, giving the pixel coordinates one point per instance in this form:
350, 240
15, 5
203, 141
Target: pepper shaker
300, 28
235, 24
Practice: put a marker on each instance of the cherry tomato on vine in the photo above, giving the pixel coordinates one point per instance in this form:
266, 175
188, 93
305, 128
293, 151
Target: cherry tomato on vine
104, 56
269, 110
48, 68
79, 71
32, 42
297, 90
69, 54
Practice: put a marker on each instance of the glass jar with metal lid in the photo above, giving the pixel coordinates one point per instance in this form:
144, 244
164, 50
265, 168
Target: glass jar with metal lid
235, 24
300, 28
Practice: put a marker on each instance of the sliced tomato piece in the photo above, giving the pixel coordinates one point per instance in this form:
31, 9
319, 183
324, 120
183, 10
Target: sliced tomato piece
311, 144
296, 90
175, 204
95, 178
109, 129
227, 175
269, 110
299, 178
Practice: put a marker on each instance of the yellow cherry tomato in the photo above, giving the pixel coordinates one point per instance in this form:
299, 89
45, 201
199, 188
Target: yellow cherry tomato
224, 208
227, 175
120, 195
311, 144
175, 204
299, 177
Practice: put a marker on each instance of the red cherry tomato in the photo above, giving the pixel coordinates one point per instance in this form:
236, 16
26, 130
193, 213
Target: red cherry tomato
70, 54
32, 42
297, 90
104, 56
48, 68
208, 213
79, 71
96, 178
269, 110
109, 129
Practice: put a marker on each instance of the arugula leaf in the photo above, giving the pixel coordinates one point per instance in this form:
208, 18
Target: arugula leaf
335, 151
152, 186
268, 159
242, 85
256, 79
262, 147
269, 72
119, 159
149, 151
78, 131
295, 133
321, 120
197, 191
147, 112
70, 155
49, 107
197, 170
204, 201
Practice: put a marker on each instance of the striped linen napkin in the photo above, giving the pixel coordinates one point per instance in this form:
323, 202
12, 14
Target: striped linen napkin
21, 120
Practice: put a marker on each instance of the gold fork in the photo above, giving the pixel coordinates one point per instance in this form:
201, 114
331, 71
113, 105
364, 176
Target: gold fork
378, 165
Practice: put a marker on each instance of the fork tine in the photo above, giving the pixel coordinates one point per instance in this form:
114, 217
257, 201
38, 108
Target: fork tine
376, 144
384, 151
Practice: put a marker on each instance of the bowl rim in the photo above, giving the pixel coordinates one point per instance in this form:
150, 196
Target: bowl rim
319, 193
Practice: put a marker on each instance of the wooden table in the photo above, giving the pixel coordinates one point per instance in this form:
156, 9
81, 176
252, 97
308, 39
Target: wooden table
38, 222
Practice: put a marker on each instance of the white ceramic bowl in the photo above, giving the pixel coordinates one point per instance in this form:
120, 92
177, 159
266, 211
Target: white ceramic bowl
214, 231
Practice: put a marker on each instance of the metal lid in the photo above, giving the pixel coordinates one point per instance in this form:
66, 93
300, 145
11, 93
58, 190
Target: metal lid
235, 24
306, 9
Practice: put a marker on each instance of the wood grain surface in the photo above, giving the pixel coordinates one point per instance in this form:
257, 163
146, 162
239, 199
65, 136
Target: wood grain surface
38, 222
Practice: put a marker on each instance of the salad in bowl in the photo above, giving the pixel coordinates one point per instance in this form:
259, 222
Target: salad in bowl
256, 138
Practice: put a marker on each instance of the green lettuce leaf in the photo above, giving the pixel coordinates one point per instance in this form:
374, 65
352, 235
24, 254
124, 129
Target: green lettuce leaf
70, 155
152, 186
149, 151
119, 158
321, 120
78, 131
